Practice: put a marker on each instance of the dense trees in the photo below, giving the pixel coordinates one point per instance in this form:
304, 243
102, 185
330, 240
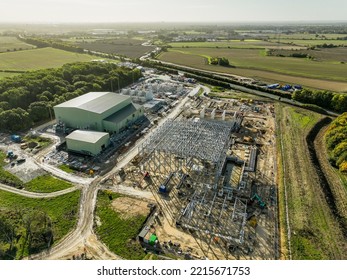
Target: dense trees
29, 98
23, 232
222, 61
336, 141
325, 99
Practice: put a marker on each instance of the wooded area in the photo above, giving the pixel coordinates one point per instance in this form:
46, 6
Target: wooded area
28, 99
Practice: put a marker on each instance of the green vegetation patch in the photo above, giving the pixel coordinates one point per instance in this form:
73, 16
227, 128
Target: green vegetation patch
46, 184
117, 233
66, 168
28, 225
10, 44
40, 58
336, 141
315, 232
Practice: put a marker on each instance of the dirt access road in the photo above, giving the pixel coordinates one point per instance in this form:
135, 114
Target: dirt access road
83, 236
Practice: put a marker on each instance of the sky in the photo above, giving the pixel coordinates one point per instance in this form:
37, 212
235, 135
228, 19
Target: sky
70, 11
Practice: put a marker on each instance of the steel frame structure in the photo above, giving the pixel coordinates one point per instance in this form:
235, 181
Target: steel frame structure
198, 149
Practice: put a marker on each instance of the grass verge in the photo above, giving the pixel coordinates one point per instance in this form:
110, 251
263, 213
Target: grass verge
117, 233
46, 184
315, 233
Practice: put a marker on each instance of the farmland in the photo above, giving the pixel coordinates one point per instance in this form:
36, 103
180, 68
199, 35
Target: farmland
39, 59
310, 43
315, 231
254, 63
127, 47
9, 44
36, 223
233, 44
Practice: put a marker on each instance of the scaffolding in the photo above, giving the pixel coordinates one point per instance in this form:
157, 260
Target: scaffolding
189, 146
195, 151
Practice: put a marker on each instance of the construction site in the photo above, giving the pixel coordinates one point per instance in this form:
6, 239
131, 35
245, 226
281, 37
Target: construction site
211, 171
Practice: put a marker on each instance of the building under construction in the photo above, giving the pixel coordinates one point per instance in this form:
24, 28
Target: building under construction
189, 158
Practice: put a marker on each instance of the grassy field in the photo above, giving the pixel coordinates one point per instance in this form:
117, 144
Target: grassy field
254, 63
66, 168
47, 184
315, 233
22, 213
8, 43
39, 59
117, 233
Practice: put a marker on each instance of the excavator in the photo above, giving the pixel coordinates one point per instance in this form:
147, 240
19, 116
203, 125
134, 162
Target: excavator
261, 203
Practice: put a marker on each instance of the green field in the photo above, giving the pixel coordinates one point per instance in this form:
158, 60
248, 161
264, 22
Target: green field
310, 43
254, 63
47, 184
304, 36
116, 232
315, 233
233, 44
39, 59
35, 223
8, 44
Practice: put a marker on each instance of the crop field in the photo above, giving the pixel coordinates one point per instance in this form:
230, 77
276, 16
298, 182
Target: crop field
8, 44
334, 55
39, 59
118, 232
128, 47
254, 63
305, 36
46, 184
26, 215
315, 232
310, 43
233, 44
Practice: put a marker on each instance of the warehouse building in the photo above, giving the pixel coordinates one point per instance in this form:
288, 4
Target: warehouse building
87, 142
98, 111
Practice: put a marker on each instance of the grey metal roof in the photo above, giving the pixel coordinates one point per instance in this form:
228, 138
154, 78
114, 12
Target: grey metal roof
123, 113
86, 136
97, 102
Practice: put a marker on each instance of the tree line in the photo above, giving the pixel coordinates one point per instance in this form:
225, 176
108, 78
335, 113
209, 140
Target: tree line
326, 99
44, 43
336, 141
28, 98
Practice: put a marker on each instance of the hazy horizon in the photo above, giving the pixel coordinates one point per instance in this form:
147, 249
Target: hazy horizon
163, 11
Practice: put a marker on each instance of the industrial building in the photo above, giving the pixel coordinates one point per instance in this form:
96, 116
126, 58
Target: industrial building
98, 111
87, 142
